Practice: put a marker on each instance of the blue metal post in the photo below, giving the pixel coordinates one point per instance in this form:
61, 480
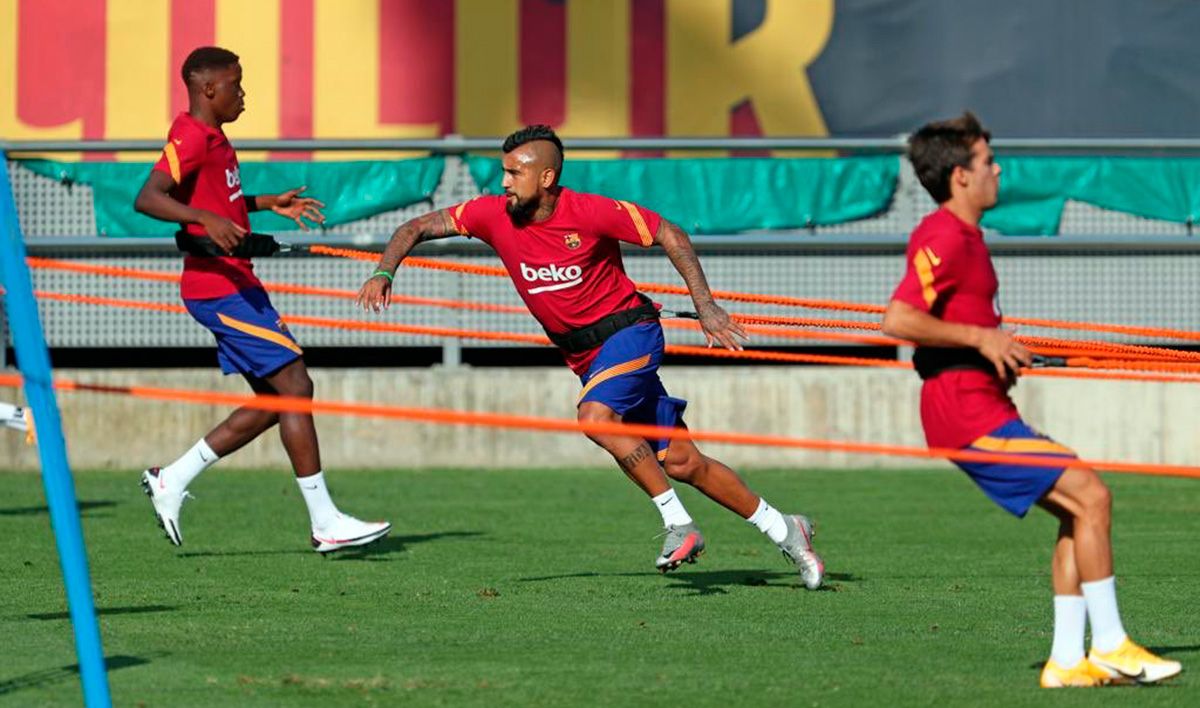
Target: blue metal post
34, 360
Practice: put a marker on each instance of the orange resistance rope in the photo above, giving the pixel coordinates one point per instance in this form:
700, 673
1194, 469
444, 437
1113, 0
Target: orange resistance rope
1152, 332
440, 416
1090, 346
1134, 351
1076, 348
1084, 352
1079, 358
752, 355
495, 271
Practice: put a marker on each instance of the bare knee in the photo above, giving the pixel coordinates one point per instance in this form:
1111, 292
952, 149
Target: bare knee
1095, 499
592, 412
293, 380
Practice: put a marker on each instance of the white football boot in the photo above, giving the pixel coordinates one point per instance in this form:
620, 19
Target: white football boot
167, 501
347, 532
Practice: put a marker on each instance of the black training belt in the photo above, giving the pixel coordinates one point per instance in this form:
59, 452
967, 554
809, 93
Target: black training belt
597, 333
252, 246
931, 361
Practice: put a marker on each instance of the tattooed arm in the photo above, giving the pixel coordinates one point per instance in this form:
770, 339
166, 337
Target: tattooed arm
717, 325
376, 293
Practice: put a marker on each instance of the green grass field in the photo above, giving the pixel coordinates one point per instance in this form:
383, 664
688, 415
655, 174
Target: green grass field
537, 588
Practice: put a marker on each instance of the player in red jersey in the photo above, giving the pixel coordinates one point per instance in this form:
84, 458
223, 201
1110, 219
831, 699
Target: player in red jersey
561, 249
947, 305
197, 183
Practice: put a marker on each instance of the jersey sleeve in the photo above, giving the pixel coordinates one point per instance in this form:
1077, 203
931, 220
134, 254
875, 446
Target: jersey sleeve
624, 220
473, 218
183, 155
930, 275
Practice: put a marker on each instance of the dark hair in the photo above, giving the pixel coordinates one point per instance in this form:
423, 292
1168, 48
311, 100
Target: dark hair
938, 147
530, 133
203, 58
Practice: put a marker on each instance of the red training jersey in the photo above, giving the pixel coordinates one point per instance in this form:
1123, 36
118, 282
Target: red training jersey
205, 169
950, 276
568, 268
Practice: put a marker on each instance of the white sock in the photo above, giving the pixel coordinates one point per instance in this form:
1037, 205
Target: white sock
1070, 620
180, 473
1101, 596
321, 509
673, 513
768, 520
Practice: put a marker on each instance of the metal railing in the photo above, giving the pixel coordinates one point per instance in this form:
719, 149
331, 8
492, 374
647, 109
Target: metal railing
861, 244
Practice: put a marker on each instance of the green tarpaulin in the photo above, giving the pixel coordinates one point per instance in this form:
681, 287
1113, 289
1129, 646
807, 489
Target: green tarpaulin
722, 196
1033, 190
703, 195
350, 190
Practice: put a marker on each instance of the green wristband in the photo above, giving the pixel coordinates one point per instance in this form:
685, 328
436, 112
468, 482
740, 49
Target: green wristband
385, 274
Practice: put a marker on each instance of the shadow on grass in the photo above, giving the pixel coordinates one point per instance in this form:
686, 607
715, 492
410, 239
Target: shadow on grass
380, 550
389, 545
232, 554
1168, 651
106, 612
84, 508
710, 582
45, 677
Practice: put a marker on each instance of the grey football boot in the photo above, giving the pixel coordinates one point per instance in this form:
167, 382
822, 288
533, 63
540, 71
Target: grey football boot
681, 545
797, 547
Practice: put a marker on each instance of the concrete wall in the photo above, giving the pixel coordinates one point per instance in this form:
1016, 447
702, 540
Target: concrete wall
1148, 422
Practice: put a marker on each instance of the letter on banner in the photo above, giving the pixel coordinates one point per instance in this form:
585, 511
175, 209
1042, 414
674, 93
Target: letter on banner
597, 71
251, 30
11, 125
707, 76
485, 67
346, 79
137, 51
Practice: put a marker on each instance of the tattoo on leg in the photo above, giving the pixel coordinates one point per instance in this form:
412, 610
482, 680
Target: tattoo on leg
631, 460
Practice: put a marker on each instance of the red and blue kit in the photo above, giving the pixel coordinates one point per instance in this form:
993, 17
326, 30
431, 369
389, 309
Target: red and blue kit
222, 293
205, 169
965, 404
568, 270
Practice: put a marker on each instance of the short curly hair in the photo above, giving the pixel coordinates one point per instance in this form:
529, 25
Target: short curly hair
937, 148
203, 58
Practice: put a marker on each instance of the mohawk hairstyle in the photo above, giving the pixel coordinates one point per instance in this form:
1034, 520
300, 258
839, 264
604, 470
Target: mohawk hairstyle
530, 133
938, 147
203, 58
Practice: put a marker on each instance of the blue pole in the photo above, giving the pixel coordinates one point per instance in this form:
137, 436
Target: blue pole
34, 361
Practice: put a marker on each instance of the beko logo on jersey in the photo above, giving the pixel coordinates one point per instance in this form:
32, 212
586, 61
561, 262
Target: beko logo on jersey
233, 179
559, 278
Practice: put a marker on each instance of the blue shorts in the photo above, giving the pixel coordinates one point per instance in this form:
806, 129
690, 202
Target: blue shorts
251, 338
1016, 487
624, 377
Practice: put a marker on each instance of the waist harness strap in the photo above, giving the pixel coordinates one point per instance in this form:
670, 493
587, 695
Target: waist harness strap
931, 361
597, 333
252, 246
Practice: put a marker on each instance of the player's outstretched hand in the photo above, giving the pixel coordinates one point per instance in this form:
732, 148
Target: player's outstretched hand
291, 205
1006, 353
375, 294
719, 327
222, 231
